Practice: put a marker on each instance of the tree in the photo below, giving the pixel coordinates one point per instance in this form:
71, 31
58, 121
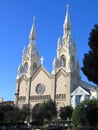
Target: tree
1, 116
18, 115
11, 114
90, 61
25, 113
66, 112
86, 113
7, 113
47, 110
38, 113
51, 110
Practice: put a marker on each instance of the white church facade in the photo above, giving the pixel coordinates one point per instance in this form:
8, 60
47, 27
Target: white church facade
34, 84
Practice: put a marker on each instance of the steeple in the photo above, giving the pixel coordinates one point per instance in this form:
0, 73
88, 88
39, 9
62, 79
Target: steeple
59, 43
58, 47
24, 51
31, 57
32, 35
32, 39
67, 23
66, 51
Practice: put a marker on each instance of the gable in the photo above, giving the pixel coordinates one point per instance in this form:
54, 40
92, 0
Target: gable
40, 70
80, 91
41, 77
23, 77
62, 72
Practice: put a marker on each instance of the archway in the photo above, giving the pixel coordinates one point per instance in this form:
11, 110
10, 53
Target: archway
63, 61
26, 67
34, 67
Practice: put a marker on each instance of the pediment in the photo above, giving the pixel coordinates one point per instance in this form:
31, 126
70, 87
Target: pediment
41, 68
62, 72
80, 91
23, 77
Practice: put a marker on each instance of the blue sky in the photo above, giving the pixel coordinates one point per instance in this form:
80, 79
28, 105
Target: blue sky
16, 17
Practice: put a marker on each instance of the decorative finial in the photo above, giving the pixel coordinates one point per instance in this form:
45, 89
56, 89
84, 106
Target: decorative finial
42, 59
24, 51
67, 7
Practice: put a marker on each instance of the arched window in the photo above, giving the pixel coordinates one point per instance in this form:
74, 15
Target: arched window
63, 61
35, 107
25, 67
34, 67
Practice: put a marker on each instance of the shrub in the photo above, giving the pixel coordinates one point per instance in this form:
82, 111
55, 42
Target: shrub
86, 128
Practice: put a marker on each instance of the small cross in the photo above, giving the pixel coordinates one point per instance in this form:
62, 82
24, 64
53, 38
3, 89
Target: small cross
42, 59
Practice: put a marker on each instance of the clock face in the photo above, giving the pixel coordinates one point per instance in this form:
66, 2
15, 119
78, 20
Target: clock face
40, 89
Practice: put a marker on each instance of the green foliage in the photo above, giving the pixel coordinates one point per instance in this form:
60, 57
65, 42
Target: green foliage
25, 112
86, 128
86, 113
1, 116
51, 110
46, 110
7, 113
38, 113
66, 112
90, 61
11, 114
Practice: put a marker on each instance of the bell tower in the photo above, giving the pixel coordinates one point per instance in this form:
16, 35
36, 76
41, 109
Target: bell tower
66, 49
28, 67
66, 56
30, 58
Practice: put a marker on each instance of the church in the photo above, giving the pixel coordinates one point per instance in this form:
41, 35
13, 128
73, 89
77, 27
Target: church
34, 84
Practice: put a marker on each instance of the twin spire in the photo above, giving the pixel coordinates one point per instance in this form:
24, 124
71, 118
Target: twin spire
67, 25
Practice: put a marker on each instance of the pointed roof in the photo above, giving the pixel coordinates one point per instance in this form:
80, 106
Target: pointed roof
59, 43
67, 22
32, 33
80, 91
24, 50
40, 69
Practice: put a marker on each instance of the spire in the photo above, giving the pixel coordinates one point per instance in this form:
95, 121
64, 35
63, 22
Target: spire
32, 39
32, 35
54, 64
66, 26
67, 23
24, 51
59, 43
58, 47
